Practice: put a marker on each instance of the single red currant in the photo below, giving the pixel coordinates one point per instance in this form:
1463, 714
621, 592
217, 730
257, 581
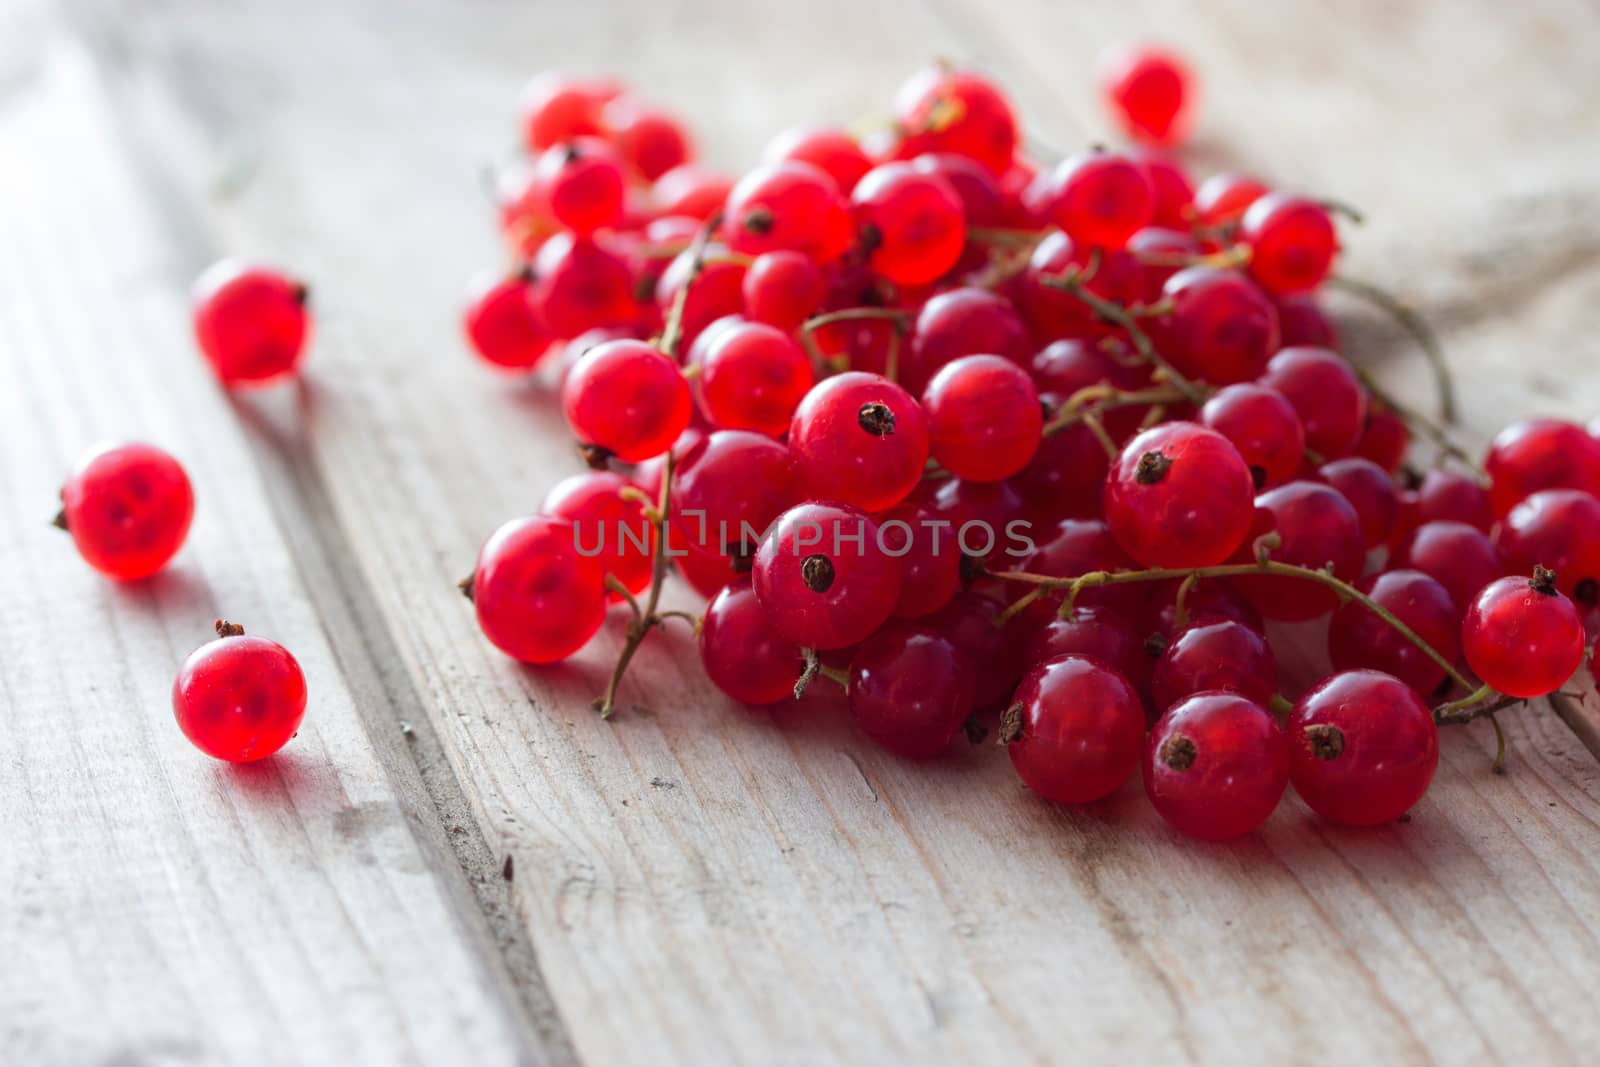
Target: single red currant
250, 322
1325, 393
860, 439
1384, 439
581, 183
782, 289
1222, 328
1362, 748
968, 621
716, 291
1359, 638
1450, 495
1215, 654
982, 200
1292, 242
752, 377
1179, 495
961, 322
1263, 426
1100, 198
1150, 93
940, 109
128, 509
910, 690
789, 205
1095, 632
628, 399
912, 224
1538, 454
1316, 527
707, 573
983, 418
580, 284
1522, 637
558, 107
1302, 322
606, 525
1457, 556
1216, 765
1174, 192
692, 190
538, 599
1066, 477
1558, 529
727, 490
929, 555
742, 654
1370, 490
503, 323
1223, 199
823, 576
652, 141
832, 151
239, 698
1075, 730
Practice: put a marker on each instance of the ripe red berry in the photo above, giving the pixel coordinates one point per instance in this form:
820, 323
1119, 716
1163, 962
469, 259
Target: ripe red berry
789, 205
1325, 393
1101, 198
983, 202
1359, 638
1216, 765
1301, 321
823, 576
929, 556
239, 698
1362, 748
1179, 495
912, 224
652, 141
1457, 556
1063, 367
606, 525
1212, 600
833, 151
860, 439
1149, 91
250, 322
715, 292
1161, 254
581, 185
503, 323
1052, 312
128, 509
968, 621
910, 690
961, 322
1317, 526
1558, 529
1222, 328
752, 376
707, 573
1174, 193
983, 418
627, 398
1292, 242
1223, 199
783, 289
940, 109
1263, 426
580, 284
1522, 637
538, 599
1215, 654
1095, 632
1385, 438
1075, 731
1450, 495
558, 107
1538, 454
742, 654
1066, 477
727, 490
691, 190
1370, 490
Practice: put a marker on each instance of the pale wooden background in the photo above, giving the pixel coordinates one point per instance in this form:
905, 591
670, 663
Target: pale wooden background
690, 884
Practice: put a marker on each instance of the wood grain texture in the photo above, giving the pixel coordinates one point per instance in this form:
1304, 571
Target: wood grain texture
706, 886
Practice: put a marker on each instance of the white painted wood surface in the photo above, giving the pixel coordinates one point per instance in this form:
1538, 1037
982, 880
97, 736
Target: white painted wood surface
690, 884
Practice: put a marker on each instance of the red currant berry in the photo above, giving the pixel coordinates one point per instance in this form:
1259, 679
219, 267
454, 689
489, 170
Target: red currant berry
832, 151
715, 291
250, 322
752, 376
691, 190
581, 183
580, 284
983, 202
1522, 637
1075, 730
606, 525
1292, 242
912, 224
1362, 748
1161, 254
1359, 638
538, 598
1174, 193
1538, 454
1066, 476
1448, 495
1224, 198
860, 439
782, 289
1370, 490
910, 690
128, 509
558, 107
1325, 393
1070, 364
727, 490
504, 325
1302, 322
1215, 654
239, 698
792, 206
981, 514
983, 418
1457, 556
929, 555
652, 141
1097, 633
1179, 495
1149, 91
1262, 426
823, 576
944, 110
968, 621
1215, 766
1221, 327
742, 654
627, 398
1317, 526
961, 322
1384, 439
1052, 312
1100, 198
1558, 529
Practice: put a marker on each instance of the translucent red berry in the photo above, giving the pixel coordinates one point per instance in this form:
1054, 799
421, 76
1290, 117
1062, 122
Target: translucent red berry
1216, 765
1359, 638
860, 439
910, 690
1522, 637
1224, 198
1101, 198
581, 284
742, 654
912, 224
1316, 527
1301, 321
830, 150
1179, 495
1292, 242
1452, 496
752, 377
1150, 93
823, 576
1385, 439
558, 107
652, 141
1325, 393
692, 190
1370, 490
1095, 632
1215, 654
940, 109
1362, 748
1457, 556
239, 698
250, 322
1222, 328
783, 289
1263, 426
1052, 312
983, 418
606, 524
728, 489
1174, 193
716, 290
538, 599
968, 621
503, 323
1538, 454
1075, 731
929, 555
961, 322
789, 205
1558, 529
627, 398
581, 183
128, 509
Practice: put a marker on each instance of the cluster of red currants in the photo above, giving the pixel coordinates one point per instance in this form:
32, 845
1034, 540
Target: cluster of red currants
992, 443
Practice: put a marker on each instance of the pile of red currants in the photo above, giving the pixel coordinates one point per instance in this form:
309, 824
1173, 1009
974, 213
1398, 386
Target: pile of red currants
1005, 447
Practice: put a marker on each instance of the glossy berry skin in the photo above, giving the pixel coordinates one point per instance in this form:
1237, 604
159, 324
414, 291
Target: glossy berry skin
1101, 198
983, 418
789, 205
558, 107
727, 489
239, 698
628, 398
1149, 91
912, 224
1215, 766
1080, 732
1222, 328
581, 284
1263, 426
1362, 748
1173, 190
1358, 638
692, 190
128, 508
250, 322
1558, 529
1160, 253
1453, 496
1370, 490
581, 185
1052, 313
715, 293
1538, 454
742, 654
1385, 438
1063, 367
752, 377
783, 289
1317, 527
910, 690
606, 525
1301, 321
968, 621
1325, 393
1095, 632
1292, 242
982, 200
1212, 600
929, 557
1215, 654
1457, 556
860, 439
1224, 198
651, 141
945, 110
1179, 495
1066, 478
1522, 637
823, 576
961, 322
537, 598
830, 150
503, 323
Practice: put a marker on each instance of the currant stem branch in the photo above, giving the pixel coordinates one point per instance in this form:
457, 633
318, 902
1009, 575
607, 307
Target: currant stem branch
1072, 282
649, 618
1420, 331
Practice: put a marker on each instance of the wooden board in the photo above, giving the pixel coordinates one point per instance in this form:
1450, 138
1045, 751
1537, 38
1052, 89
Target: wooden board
690, 883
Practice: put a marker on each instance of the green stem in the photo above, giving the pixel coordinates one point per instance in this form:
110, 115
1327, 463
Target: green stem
643, 622
1413, 324
1072, 282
